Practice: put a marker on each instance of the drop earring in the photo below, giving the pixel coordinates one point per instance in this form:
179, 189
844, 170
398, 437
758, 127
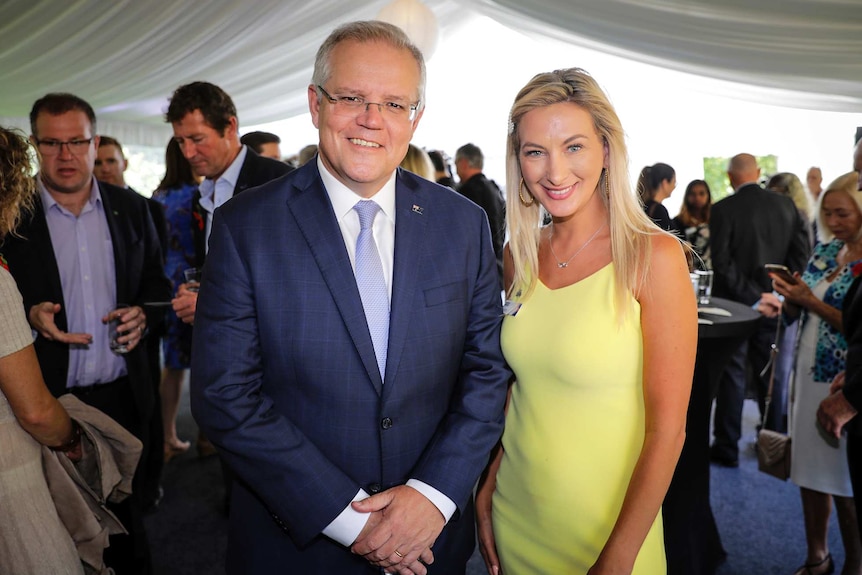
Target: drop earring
525, 203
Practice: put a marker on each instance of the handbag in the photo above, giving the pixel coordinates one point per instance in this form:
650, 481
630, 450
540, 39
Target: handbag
773, 448
773, 453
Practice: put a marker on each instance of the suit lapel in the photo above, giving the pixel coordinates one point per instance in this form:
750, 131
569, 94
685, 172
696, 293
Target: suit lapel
249, 167
112, 215
316, 220
410, 223
40, 237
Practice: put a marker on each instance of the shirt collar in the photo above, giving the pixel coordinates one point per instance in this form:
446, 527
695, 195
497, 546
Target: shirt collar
48, 200
343, 198
228, 178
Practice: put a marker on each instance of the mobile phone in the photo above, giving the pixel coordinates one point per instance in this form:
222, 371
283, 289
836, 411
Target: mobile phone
781, 271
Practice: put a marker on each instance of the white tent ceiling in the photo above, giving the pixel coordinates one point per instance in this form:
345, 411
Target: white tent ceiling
127, 56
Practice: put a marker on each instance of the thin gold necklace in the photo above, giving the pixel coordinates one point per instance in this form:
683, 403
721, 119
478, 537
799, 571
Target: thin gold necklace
565, 264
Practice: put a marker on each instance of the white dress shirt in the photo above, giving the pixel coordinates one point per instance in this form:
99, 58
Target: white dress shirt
215, 193
346, 527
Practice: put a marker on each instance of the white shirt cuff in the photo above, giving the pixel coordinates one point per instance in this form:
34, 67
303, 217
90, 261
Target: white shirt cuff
348, 525
440, 501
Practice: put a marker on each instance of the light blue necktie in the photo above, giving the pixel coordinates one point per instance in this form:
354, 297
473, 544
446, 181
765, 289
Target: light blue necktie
371, 284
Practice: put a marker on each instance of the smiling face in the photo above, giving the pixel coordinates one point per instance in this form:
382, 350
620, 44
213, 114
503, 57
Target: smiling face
67, 172
842, 216
561, 158
362, 151
209, 152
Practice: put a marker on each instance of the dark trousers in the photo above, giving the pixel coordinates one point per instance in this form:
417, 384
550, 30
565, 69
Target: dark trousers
854, 458
127, 554
155, 461
752, 355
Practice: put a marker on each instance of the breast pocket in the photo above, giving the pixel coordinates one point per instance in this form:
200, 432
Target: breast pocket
451, 292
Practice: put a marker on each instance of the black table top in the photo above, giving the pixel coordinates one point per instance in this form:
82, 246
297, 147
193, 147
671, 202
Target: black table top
741, 320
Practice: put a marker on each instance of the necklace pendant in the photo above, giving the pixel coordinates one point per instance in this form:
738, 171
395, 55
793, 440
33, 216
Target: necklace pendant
562, 265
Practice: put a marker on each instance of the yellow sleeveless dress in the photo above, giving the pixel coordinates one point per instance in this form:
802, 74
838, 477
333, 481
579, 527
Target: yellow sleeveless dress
574, 430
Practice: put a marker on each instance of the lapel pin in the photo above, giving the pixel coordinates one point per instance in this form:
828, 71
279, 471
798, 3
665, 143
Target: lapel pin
417, 209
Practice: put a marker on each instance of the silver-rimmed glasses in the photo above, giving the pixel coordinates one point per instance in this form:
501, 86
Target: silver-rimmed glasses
54, 147
355, 105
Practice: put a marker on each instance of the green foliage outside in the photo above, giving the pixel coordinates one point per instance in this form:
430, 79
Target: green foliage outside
715, 174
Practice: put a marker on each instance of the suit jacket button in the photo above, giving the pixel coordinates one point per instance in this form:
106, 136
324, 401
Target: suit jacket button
374, 488
386, 422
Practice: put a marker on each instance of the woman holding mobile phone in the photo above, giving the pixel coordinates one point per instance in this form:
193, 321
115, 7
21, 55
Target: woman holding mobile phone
820, 470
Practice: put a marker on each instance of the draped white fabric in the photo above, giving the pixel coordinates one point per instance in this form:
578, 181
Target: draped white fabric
811, 47
127, 56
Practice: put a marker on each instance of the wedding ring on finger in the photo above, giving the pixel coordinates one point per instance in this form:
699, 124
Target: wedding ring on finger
399, 554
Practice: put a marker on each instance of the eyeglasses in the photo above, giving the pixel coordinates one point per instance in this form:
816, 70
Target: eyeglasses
354, 105
54, 147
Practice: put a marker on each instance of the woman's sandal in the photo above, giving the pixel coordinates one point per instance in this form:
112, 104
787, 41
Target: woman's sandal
824, 567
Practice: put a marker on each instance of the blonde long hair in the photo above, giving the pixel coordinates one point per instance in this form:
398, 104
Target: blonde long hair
790, 185
418, 162
630, 228
846, 183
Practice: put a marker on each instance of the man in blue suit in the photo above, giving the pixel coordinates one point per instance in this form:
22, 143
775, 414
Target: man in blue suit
346, 351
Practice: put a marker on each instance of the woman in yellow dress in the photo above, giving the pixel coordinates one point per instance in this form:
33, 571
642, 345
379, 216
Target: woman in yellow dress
601, 334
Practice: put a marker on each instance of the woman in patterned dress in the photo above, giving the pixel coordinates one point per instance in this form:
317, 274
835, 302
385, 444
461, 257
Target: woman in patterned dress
692, 223
818, 468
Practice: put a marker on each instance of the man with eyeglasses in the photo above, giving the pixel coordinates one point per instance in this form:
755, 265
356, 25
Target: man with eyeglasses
86, 247
347, 360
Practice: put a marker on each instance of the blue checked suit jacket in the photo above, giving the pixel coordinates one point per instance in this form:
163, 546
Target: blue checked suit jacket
285, 382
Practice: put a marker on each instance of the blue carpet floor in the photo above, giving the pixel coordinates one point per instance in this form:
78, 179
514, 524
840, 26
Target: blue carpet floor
758, 516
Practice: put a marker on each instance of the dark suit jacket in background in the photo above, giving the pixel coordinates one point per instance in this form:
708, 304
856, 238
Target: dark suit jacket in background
852, 320
139, 273
658, 213
256, 170
487, 195
749, 229
288, 387
851, 315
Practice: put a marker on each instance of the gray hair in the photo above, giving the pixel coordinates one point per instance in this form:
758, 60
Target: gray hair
367, 31
472, 154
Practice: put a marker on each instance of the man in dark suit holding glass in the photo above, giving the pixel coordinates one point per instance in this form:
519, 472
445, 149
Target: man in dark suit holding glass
87, 247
